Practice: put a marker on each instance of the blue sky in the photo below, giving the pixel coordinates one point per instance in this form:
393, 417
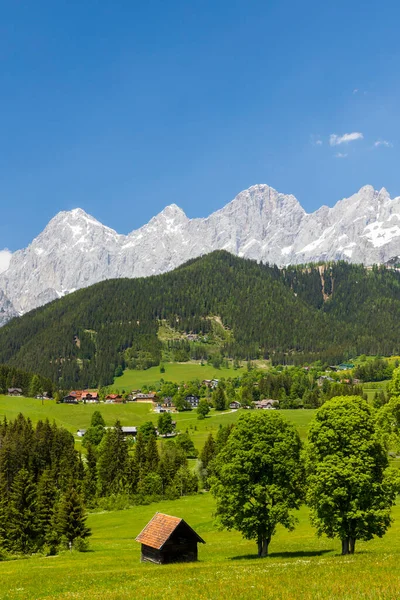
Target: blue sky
122, 108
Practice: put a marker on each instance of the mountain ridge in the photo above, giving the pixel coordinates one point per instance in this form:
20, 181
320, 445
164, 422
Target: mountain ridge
292, 315
76, 250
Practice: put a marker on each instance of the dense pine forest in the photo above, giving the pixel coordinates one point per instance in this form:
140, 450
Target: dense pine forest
292, 316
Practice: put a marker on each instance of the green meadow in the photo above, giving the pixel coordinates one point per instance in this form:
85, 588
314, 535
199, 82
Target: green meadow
175, 372
78, 416
300, 566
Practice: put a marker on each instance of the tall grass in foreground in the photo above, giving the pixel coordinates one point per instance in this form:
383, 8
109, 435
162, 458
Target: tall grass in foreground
301, 566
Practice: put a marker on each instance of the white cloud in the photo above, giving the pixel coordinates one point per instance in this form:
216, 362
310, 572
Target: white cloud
336, 140
355, 91
383, 143
340, 155
5, 257
318, 143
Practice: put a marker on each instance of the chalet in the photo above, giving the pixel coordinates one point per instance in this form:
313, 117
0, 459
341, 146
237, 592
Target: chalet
129, 431
193, 401
70, 399
235, 405
266, 404
168, 402
14, 392
150, 397
341, 367
167, 539
160, 409
210, 383
76, 394
90, 397
114, 398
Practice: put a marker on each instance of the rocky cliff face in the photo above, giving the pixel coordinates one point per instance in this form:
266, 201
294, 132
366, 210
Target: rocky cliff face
75, 250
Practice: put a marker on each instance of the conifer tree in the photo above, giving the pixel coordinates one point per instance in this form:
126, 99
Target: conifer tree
113, 461
71, 517
219, 398
90, 480
208, 452
45, 506
97, 419
152, 456
4, 512
22, 529
35, 388
140, 456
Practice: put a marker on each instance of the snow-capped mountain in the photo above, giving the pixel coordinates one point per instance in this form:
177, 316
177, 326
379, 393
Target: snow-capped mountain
75, 250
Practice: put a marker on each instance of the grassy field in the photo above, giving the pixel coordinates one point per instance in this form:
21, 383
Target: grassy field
300, 566
74, 417
370, 388
176, 372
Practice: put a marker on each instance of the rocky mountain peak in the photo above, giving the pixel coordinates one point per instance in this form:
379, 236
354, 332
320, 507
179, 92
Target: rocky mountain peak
75, 250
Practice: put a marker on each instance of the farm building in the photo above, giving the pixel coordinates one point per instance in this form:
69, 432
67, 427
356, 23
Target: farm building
167, 539
14, 392
129, 431
267, 403
70, 399
235, 405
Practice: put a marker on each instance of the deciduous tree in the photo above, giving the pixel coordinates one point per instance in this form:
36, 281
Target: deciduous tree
258, 477
350, 490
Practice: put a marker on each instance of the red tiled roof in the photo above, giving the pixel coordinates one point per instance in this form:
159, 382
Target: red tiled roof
159, 529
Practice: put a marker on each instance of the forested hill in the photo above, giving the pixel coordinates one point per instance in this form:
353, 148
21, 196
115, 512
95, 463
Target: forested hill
296, 314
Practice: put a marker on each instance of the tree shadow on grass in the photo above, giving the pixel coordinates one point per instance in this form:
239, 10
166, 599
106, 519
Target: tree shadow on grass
298, 554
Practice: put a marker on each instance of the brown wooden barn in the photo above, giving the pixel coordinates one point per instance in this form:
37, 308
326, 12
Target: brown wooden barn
167, 539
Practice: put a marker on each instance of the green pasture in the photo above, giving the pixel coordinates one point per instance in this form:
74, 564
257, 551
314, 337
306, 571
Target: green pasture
78, 416
301, 566
370, 388
134, 379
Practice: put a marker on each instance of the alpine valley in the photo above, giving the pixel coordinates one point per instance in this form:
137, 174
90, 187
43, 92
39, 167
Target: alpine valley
75, 250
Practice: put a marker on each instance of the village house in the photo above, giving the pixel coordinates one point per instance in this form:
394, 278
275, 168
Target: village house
167, 539
70, 399
234, 405
266, 404
114, 398
193, 400
14, 391
90, 397
81, 432
149, 397
168, 402
210, 383
129, 431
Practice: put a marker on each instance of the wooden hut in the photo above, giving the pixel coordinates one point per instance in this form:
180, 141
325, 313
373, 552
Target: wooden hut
167, 539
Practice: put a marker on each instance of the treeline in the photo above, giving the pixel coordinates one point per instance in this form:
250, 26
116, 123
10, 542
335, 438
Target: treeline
31, 384
294, 316
122, 472
41, 484
294, 387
